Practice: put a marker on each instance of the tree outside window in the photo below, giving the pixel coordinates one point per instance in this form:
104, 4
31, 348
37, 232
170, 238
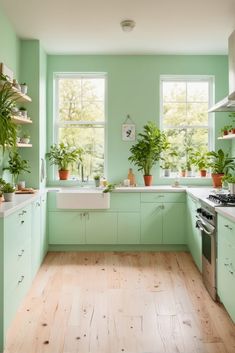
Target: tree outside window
80, 119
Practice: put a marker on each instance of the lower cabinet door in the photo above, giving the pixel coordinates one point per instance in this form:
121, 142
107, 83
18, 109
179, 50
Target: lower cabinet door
101, 228
174, 223
44, 239
66, 228
36, 237
151, 223
128, 228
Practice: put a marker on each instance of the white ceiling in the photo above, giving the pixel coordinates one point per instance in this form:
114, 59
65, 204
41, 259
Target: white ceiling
93, 26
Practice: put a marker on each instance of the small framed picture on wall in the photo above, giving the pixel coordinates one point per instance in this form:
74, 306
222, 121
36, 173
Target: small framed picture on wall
128, 132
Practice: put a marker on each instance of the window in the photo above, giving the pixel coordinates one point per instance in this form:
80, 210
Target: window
80, 119
184, 116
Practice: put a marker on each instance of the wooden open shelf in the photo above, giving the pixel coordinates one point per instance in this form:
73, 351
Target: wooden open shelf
19, 95
21, 120
227, 137
19, 144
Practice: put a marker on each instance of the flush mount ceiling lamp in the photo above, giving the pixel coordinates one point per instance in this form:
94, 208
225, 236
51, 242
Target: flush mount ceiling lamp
127, 25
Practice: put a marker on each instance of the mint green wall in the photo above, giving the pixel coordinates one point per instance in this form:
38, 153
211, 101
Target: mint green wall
9, 44
133, 88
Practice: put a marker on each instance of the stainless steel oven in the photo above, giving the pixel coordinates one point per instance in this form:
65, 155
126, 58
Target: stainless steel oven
206, 222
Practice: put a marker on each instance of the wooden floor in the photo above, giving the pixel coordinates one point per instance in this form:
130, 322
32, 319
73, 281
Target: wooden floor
120, 302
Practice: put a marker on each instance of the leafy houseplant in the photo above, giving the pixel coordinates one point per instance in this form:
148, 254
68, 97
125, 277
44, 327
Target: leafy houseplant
147, 151
200, 160
2, 183
169, 162
220, 163
230, 180
8, 192
225, 130
97, 180
63, 155
7, 127
16, 166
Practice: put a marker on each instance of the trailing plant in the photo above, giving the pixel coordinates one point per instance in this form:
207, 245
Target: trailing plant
97, 177
228, 178
109, 188
63, 155
220, 162
147, 151
7, 127
17, 165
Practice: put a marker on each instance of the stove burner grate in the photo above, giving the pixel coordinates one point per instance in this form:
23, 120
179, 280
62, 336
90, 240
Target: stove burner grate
223, 199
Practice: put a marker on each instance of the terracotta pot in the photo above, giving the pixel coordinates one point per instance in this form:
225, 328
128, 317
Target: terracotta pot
232, 131
148, 180
63, 174
226, 132
203, 173
217, 180
183, 173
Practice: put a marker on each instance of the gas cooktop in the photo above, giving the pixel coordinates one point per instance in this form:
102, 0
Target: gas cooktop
222, 200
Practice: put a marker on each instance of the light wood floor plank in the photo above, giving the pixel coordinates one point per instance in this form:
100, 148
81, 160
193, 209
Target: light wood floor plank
120, 302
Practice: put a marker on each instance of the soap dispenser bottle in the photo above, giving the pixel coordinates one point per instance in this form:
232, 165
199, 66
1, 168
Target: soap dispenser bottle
131, 177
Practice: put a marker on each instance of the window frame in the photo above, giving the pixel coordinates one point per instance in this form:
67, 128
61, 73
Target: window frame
57, 124
211, 116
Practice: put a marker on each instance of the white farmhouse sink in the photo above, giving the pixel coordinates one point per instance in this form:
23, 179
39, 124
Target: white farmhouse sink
82, 199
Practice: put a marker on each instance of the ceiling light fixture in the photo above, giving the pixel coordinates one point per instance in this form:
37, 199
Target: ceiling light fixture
127, 25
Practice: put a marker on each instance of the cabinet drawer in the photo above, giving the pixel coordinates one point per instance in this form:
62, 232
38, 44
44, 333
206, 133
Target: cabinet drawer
125, 202
163, 197
227, 229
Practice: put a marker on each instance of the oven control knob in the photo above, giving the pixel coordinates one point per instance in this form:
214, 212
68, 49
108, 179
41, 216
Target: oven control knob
199, 210
209, 217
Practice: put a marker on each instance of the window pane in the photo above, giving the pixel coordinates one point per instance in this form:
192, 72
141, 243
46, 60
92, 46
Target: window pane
197, 91
174, 92
174, 114
81, 99
197, 114
91, 139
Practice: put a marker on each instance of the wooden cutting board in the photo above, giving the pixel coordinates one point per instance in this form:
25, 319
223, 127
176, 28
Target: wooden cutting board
30, 191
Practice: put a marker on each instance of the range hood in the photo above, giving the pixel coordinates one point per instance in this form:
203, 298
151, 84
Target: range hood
228, 104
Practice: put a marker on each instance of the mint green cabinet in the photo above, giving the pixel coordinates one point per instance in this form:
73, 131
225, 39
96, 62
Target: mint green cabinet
36, 236
174, 222
194, 239
66, 228
101, 228
44, 238
226, 264
17, 260
151, 223
163, 218
128, 228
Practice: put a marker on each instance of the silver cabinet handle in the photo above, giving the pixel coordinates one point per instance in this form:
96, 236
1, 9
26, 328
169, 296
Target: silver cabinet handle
22, 252
21, 279
38, 204
227, 226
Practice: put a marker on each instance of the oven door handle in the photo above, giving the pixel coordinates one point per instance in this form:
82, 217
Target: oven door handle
203, 229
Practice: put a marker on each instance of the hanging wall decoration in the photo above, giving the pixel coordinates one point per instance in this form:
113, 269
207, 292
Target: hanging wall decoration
128, 129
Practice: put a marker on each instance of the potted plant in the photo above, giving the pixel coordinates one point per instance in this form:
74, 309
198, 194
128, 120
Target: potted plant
169, 162
16, 166
25, 138
97, 180
147, 151
220, 164
23, 112
225, 130
7, 127
230, 180
183, 170
2, 183
24, 88
8, 192
63, 155
200, 160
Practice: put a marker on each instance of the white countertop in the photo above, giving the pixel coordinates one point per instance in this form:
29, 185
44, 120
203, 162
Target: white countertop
6, 208
228, 212
20, 201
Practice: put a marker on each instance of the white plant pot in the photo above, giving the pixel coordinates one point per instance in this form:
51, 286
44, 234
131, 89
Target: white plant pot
25, 140
231, 188
167, 172
189, 173
24, 113
8, 196
24, 89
